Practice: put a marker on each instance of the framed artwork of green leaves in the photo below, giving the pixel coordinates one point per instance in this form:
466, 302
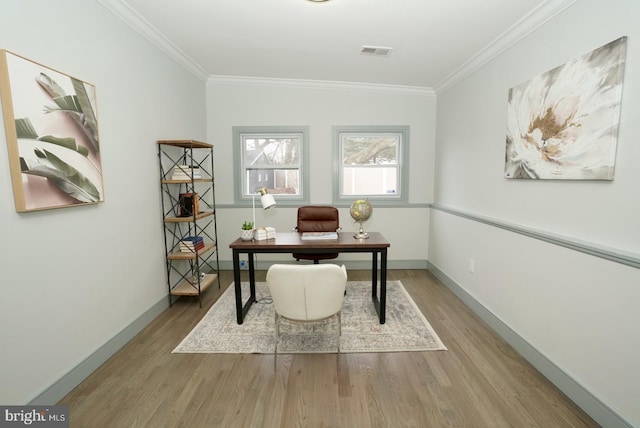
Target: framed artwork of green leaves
51, 125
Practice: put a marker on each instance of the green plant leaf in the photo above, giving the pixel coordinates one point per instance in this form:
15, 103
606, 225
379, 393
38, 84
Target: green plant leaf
72, 172
72, 182
25, 130
68, 142
66, 103
90, 120
50, 85
78, 106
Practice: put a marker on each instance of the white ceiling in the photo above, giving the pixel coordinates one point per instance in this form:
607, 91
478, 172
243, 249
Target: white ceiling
432, 40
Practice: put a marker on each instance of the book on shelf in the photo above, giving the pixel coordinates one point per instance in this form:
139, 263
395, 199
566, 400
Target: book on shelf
192, 239
312, 236
189, 204
185, 172
190, 249
186, 168
190, 244
185, 177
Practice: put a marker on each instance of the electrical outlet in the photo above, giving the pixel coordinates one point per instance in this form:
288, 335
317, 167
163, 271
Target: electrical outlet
472, 265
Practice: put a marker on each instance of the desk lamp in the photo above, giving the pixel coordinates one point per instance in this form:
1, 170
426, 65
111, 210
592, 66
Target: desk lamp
266, 200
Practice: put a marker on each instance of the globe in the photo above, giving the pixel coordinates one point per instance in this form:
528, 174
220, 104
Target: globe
360, 211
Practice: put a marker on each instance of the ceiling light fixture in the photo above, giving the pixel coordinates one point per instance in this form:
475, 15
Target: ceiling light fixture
318, 1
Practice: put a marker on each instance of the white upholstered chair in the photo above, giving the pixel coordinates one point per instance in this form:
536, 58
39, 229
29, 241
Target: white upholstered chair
307, 293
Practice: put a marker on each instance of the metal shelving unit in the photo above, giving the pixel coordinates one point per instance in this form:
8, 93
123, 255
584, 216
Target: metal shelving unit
188, 273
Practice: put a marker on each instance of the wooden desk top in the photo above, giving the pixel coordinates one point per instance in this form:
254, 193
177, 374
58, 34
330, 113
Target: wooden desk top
293, 241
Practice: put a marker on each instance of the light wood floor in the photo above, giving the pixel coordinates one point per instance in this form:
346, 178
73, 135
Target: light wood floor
479, 382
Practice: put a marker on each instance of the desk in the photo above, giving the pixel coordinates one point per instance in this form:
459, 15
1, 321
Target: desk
291, 242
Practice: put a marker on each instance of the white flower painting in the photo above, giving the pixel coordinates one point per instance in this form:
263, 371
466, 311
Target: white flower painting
563, 124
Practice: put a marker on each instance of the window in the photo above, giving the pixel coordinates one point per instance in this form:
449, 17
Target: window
271, 157
371, 163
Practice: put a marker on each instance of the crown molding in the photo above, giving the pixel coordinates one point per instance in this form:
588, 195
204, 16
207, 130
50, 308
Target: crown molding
322, 84
123, 11
127, 14
533, 20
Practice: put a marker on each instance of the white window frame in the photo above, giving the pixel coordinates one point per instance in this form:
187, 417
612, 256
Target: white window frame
244, 196
402, 167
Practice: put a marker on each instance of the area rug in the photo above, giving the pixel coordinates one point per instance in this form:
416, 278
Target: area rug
405, 329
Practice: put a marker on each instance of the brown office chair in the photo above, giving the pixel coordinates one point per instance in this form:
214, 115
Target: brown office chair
317, 218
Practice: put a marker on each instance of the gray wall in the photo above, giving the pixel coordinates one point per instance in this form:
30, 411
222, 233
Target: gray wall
72, 279
578, 311
243, 102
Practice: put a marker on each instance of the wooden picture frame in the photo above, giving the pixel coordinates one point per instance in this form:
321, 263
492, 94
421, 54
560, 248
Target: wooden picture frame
189, 204
51, 126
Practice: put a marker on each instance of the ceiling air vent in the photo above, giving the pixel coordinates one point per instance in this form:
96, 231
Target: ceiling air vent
375, 51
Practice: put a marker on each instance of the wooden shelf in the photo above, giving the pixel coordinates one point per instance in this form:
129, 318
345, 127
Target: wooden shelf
180, 255
200, 215
187, 288
187, 181
186, 144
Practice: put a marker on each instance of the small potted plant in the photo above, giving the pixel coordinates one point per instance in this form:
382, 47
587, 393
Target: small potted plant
246, 233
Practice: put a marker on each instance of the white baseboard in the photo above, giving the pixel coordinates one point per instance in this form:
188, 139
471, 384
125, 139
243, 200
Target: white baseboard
60, 388
595, 408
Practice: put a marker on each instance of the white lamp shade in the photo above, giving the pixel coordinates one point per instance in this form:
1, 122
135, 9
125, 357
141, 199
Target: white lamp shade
267, 201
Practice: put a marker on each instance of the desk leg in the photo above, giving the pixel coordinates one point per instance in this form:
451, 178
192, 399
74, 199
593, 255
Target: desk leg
383, 286
252, 278
374, 275
379, 303
237, 285
241, 307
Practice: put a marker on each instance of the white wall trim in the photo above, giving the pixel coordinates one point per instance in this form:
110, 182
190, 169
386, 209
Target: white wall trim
611, 254
322, 84
595, 408
123, 11
534, 19
60, 388
512, 35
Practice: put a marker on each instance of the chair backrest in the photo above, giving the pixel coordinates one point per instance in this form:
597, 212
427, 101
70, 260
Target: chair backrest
318, 218
307, 292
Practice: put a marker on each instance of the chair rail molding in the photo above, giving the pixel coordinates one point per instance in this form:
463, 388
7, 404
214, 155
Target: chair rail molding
611, 254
